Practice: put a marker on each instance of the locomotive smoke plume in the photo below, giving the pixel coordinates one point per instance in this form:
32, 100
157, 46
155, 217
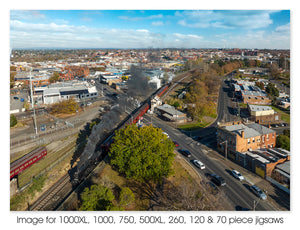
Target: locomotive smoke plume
139, 89
138, 84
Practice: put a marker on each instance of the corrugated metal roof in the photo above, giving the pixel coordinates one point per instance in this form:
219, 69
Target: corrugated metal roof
250, 130
259, 108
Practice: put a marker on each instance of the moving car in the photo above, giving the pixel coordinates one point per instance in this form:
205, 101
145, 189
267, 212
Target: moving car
257, 191
199, 164
218, 180
237, 175
185, 152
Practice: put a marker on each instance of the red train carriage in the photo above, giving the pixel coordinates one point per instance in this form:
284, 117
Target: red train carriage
27, 160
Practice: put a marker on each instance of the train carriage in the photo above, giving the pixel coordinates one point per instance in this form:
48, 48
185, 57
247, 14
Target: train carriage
27, 160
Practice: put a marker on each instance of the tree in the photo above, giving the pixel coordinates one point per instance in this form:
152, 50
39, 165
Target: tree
54, 77
126, 196
143, 154
13, 120
272, 90
65, 106
283, 141
97, 198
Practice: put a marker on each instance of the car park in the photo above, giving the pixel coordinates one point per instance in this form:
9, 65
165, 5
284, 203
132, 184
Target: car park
185, 152
218, 180
199, 164
258, 192
237, 175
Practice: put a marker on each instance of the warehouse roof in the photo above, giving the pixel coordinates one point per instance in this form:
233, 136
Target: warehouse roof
257, 108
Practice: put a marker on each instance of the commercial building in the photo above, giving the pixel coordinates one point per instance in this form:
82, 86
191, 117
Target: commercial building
252, 146
64, 91
263, 114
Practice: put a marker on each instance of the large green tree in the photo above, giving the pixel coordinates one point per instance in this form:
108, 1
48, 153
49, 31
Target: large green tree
143, 154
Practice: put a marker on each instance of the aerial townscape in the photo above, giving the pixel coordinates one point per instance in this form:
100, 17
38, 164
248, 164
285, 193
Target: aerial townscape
178, 123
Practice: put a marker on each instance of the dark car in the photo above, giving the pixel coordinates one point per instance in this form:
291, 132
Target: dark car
185, 152
16, 98
258, 192
218, 180
176, 143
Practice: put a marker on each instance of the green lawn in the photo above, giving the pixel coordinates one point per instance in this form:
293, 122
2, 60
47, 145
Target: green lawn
193, 126
284, 115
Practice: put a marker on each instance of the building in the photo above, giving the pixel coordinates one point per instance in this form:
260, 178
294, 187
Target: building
255, 97
239, 137
264, 162
252, 146
110, 79
263, 114
169, 113
63, 91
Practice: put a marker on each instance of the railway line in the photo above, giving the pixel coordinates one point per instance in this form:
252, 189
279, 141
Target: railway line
53, 196
56, 194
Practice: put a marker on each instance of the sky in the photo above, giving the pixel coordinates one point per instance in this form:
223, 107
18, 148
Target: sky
150, 29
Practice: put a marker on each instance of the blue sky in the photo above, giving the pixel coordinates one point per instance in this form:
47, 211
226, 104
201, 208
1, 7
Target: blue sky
150, 29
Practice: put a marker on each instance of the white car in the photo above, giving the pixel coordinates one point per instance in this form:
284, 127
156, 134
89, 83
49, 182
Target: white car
199, 164
237, 175
166, 134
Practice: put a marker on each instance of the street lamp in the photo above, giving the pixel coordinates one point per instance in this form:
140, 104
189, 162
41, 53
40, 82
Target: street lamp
32, 104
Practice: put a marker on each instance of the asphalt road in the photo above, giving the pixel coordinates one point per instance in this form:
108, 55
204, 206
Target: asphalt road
237, 192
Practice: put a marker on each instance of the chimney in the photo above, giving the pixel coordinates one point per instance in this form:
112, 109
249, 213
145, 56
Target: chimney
243, 134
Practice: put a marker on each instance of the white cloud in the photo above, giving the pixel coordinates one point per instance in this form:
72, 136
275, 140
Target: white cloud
49, 35
157, 16
225, 19
157, 23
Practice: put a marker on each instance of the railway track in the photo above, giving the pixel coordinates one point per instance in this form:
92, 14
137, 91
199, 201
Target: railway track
53, 196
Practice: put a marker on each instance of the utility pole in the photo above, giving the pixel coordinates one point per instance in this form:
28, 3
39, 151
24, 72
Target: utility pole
32, 104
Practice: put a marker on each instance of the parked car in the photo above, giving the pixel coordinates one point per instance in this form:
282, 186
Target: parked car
237, 175
16, 98
185, 152
22, 99
89, 103
258, 192
218, 180
166, 134
199, 164
176, 143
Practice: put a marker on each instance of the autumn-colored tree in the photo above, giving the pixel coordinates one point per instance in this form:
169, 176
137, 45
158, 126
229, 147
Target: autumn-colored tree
65, 106
54, 77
